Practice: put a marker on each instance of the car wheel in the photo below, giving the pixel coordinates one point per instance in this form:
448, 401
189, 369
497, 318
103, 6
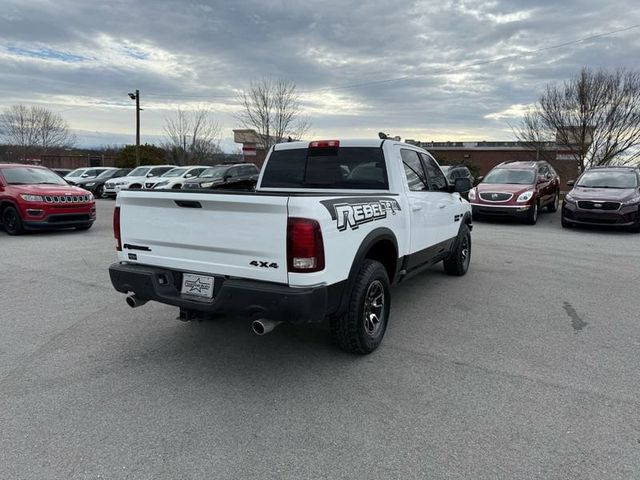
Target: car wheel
553, 207
532, 217
458, 261
99, 193
135, 186
361, 329
177, 186
12, 222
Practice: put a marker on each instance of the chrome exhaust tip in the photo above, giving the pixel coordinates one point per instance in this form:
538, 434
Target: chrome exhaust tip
263, 326
133, 301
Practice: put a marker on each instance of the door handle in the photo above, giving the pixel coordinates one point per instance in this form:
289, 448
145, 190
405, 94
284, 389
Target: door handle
416, 207
442, 205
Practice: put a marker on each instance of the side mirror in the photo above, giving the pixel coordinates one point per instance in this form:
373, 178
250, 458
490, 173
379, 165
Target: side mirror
480, 178
84, 175
188, 175
226, 177
571, 183
149, 175
462, 185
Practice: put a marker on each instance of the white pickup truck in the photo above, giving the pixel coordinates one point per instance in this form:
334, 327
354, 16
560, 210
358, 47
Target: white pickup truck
331, 225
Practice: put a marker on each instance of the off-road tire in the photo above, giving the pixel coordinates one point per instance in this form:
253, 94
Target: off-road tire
351, 331
12, 222
457, 263
553, 206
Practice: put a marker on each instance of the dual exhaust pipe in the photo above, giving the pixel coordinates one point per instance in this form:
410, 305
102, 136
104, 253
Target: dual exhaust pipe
260, 327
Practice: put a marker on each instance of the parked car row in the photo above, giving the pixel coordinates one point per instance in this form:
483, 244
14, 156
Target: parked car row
603, 196
241, 175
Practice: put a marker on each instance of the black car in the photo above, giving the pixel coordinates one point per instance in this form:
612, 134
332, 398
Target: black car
96, 184
239, 175
604, 196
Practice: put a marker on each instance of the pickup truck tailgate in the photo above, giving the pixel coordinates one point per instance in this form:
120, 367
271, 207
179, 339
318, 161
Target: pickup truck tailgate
240, 235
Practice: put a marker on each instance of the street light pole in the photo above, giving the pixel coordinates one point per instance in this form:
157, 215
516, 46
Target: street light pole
137, 128
136, 96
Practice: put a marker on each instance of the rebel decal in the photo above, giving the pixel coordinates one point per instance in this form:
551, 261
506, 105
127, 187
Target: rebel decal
353, 212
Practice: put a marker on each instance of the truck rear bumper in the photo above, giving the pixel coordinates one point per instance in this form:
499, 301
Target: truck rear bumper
247, 298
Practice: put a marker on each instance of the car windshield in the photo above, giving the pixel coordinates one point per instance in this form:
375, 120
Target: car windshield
139, 172
175, 172
77, 172
510, 176
608, 179
31, 176
215, 172
106, 174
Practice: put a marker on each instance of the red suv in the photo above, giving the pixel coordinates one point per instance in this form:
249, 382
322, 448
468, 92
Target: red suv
34, 198
517, 189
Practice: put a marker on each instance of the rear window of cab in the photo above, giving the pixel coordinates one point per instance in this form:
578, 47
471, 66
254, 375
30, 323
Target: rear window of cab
328, 168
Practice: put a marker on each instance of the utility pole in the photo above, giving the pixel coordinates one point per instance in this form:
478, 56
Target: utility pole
136, 96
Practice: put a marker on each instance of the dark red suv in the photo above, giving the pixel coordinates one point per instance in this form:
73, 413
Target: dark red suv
517, 189
34, 198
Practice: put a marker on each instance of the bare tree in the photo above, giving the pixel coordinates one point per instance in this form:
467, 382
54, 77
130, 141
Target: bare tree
595, 115
193, 137
272, 109
34, 130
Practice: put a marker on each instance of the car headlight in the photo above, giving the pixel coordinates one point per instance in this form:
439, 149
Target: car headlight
525, 196
472, 194
206, 185
90, 184
569, 199
632, 201
32, 198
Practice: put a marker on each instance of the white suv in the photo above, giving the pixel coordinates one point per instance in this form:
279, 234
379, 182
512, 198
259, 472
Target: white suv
135, 179
175, 178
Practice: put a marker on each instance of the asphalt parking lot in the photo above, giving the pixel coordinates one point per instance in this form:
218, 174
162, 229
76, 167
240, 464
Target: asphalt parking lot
528, 367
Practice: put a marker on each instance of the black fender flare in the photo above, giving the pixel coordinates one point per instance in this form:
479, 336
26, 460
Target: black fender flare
381, 233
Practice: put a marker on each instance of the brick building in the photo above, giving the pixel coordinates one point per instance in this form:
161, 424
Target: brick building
253, 149
486, 155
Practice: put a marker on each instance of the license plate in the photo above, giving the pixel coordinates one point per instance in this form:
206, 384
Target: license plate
197, 285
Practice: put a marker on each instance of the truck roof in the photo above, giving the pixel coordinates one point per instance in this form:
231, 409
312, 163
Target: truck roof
366, 142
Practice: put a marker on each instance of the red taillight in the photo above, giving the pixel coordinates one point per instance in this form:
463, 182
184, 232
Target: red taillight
325, 144
116, 228
305, 250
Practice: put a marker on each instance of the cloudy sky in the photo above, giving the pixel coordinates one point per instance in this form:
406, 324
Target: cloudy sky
428, 70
